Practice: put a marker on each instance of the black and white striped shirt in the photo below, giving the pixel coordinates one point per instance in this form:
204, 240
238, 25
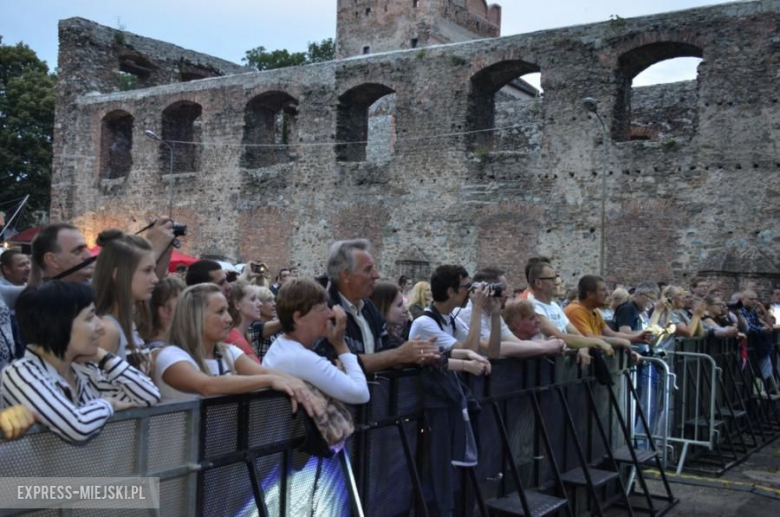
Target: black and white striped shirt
36, 384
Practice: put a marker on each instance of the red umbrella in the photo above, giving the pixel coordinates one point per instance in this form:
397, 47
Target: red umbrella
176, 258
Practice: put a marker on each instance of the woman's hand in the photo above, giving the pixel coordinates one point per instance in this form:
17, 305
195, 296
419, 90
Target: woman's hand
299, 393
15, 421
121, 405
337, 329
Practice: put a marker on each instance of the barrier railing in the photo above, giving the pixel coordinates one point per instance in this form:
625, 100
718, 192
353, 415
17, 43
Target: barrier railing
550, 437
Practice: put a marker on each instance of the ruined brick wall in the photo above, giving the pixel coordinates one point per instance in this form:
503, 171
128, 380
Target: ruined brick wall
388, 25
704, 180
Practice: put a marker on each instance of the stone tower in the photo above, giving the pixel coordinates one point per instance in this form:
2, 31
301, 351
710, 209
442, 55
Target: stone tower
371, 26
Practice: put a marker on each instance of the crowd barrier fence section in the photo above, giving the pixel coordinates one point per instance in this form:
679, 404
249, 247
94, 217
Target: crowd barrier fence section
548, 434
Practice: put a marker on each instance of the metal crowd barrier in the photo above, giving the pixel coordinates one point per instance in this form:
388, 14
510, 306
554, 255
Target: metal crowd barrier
551, 440
711, 407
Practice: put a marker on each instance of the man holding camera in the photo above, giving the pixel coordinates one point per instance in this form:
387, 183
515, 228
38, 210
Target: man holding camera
452, 289
352, 275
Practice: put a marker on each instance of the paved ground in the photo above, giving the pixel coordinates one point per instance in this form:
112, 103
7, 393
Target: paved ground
751, 490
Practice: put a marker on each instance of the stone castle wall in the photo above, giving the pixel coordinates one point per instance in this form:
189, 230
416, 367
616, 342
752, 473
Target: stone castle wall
693, 169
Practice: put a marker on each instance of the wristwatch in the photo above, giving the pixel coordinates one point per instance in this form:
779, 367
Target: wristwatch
106, 358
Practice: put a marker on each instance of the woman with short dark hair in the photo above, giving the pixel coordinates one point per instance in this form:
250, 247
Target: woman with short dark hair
71, 384
302, 308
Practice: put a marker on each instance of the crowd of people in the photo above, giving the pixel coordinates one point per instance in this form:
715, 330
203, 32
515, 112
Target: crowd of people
82, 338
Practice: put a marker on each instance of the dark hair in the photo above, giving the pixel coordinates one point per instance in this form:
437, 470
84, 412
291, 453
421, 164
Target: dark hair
588, 284
488, 274
46, 312
383, 296
46, 241
402, 280
7, 258
530, 263
534, 272
282, 270
298, 295
198, 273
443, 278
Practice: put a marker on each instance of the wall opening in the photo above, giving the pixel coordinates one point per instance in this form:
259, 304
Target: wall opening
365, 123
270, 125
116, 145
135, 71
656, 78
181, 129
502, 95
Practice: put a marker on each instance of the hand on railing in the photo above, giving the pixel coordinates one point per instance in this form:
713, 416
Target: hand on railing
15, 421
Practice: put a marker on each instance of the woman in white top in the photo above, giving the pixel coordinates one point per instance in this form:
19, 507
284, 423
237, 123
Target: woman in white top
125, 275
69, 383
305, 317
198, 362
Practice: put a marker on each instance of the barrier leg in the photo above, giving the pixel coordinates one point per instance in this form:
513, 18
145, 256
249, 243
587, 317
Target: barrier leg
416, 483
354, 495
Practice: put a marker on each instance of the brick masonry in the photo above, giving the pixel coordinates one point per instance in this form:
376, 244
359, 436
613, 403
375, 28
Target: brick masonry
693, 169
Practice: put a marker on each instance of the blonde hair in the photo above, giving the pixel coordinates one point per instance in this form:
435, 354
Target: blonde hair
418, 295
187, 327
113, 280
264, 294
619, 296
517, 310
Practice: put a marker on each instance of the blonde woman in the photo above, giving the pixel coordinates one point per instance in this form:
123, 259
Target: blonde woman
198, 362
264, 331
419, 299
670, 309
125, 276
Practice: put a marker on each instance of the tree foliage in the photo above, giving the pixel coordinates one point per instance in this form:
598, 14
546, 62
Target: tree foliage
26, 128
262, 59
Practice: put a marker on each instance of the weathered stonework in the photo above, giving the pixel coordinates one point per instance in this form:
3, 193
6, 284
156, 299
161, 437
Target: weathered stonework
693, 169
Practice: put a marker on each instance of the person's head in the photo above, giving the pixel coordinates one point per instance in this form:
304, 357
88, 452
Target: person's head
268, 303
295, 271
560, 289
776, 295
59, 247
541, 280
60, 318
592, 291
530, 264
521, 319
351, 268
675, 294
208, 271
689, 300
700, 287
15, 266
283, 275
716, 307
405, 283
618, 297
493, 275
244, 303
749, 299
163, 305
201, 319
302, 308
388, 299
421, 295
644, 295
450, 283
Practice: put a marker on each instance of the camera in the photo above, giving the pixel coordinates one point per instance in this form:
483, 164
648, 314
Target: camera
259, 268
495, 290
735, 306
179, 229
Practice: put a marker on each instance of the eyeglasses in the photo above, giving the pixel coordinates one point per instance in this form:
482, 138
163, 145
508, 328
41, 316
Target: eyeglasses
465, 286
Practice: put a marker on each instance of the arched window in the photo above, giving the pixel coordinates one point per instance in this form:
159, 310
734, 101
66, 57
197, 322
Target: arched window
269, 130
500, 96
116, 144
181, 129
642, 113
363, 115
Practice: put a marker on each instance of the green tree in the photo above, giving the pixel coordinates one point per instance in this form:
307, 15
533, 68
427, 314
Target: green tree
262, 59
26, 128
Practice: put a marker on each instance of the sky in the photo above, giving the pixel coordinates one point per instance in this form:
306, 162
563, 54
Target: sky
228, 28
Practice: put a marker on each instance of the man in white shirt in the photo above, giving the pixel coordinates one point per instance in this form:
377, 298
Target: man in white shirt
511, 345
15, 267
451, 286
774, 310
553, 321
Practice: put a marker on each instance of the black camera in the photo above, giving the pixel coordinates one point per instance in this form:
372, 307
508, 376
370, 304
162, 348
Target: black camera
495, 290
179, 229
735, 306
259, 268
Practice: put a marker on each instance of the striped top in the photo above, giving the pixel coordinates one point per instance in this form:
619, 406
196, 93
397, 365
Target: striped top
74, 417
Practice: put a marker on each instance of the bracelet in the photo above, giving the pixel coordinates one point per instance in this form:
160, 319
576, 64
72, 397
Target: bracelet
106, 358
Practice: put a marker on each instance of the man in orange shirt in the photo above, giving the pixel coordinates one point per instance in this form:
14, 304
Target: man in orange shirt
584, 314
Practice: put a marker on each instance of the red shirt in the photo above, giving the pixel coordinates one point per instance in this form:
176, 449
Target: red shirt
235, 338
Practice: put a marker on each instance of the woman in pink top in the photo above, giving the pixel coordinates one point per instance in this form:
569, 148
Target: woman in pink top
244, 309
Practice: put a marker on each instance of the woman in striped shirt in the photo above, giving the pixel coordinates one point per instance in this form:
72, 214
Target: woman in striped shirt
70, 383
